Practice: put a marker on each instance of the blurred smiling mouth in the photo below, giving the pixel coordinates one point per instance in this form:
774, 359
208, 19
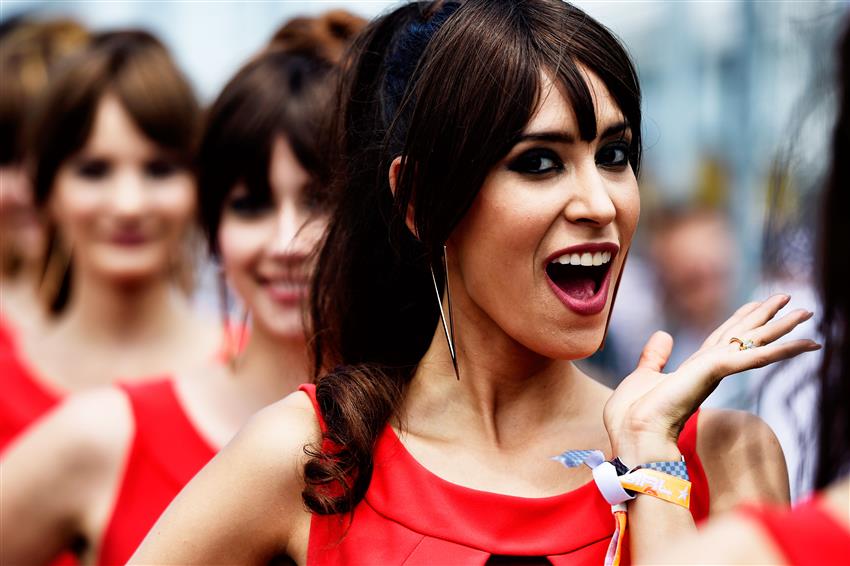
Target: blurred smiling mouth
285, 290
580, 276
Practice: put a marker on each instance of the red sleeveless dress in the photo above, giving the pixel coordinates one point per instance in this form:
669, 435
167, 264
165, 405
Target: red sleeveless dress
24, 396
411, 516
167, 451
805, 535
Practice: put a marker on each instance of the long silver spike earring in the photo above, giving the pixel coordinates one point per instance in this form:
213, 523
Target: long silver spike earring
449, 328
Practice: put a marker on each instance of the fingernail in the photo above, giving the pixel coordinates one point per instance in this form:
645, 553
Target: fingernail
814, 346
808, 315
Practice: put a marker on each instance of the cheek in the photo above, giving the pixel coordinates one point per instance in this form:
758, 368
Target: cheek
241, 245
75, 206
628, 211
175, 202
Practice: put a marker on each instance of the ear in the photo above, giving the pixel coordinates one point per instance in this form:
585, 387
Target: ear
395, 169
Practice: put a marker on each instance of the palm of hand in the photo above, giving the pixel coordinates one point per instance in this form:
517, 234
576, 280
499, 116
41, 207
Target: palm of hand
650, 404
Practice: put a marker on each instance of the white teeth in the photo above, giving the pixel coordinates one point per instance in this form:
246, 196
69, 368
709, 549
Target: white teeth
587, 258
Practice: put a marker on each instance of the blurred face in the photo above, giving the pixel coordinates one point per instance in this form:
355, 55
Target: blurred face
266, 244
540, 250
121, 203
694, 262
21, 231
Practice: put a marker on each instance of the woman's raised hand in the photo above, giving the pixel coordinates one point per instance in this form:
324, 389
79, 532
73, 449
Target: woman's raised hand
649, 408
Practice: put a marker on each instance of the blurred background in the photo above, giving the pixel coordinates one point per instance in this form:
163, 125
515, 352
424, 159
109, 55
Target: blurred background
737, 107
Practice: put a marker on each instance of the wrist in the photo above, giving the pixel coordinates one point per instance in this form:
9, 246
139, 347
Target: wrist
637, 451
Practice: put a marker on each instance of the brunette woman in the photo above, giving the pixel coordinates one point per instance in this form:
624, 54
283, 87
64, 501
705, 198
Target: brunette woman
487, 201
818, 530
101, 469
112, 147
29, 51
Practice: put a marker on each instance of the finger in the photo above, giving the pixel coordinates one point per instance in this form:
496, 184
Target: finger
744, 360
713, 366
656, 352
738, 315
758, 317
776, 329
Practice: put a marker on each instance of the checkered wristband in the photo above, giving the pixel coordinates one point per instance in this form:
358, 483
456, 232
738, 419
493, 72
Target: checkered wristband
676, 469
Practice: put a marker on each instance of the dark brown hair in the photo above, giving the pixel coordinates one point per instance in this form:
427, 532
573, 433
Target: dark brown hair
286, 90
136, 68
449, 86
28, 54
834, 286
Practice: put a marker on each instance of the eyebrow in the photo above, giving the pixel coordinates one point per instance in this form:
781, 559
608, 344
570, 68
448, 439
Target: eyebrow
566, 137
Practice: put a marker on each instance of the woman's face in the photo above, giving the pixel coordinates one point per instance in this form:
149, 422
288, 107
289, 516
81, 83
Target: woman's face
542, 246
122, 203
266, 245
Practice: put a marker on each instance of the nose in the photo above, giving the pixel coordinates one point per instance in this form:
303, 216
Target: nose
289, 222
589, 199
128, 194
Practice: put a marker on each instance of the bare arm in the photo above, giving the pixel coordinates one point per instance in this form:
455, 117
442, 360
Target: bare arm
60, 474
743, 460
649, 408
245, 506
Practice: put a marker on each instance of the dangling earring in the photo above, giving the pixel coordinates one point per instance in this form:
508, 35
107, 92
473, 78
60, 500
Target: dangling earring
232, 344
613, 298
449, 328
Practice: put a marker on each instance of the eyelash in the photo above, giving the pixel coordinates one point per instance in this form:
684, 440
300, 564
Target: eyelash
622, 146
249, 205
528, 163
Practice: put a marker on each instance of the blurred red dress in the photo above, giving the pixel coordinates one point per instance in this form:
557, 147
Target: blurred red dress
166, 452
411, 516
24, 397
806, 535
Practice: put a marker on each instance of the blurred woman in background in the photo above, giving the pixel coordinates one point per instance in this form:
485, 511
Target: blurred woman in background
29, 52
101, 468
111, 147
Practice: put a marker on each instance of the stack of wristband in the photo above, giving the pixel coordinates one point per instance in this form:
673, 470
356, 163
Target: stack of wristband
618, 484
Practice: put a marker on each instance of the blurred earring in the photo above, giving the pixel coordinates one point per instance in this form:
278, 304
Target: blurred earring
613, 299
233, 337
449, 328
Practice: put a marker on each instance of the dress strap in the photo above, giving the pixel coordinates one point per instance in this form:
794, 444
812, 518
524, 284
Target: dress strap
310, 390
700, 494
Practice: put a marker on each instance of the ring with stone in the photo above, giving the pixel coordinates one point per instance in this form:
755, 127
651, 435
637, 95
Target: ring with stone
742, 344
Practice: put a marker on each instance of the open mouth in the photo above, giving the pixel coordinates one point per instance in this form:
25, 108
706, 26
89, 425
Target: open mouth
580, 276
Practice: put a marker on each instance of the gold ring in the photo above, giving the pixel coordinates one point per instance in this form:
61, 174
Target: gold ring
742, 344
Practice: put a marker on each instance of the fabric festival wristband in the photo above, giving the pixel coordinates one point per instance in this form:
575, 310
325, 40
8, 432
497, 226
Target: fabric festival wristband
665, 480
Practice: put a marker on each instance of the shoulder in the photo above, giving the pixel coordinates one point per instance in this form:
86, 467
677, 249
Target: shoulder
732, 539
245, 505
91, 428
68, 462
742, 459
287, 425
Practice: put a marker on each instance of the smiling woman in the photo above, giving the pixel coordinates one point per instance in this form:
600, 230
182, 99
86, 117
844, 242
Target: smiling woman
111, 144
481, 145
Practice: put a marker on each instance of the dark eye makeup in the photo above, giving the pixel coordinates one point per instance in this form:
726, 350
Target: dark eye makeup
249, 204
93, 169
160, 168
536, 161
614, 155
